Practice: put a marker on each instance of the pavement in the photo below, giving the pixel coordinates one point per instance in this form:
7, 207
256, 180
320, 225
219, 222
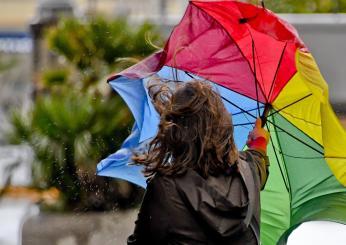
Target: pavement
13, 214
107, 228
21, 223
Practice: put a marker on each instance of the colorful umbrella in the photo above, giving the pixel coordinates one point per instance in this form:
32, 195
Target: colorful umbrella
260, 67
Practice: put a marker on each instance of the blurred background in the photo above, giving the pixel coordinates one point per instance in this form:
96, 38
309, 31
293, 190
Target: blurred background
59, 118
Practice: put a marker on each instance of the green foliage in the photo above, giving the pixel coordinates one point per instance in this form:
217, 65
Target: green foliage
97, 47
70, 132
75, 120
55, 77
305, 6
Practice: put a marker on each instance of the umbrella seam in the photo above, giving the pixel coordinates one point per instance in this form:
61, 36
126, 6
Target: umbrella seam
191, 74
276, 72
296, 138
286, 106
304, 134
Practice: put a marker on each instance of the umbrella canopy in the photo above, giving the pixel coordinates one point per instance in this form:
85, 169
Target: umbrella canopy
260, 67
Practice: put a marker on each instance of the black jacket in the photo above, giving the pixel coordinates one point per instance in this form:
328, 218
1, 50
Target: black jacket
189, 209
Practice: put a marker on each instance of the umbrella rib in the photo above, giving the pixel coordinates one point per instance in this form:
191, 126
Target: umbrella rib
277, 111
296, 138
302, 131
260, 69
242, 124
277, 160
247, 118
256, 81
301, 157
334, 157
244, 111
277, 70
223, 86
255, 74
229, 35
284, 165
237, 113
297, 157
302, 119
188, 73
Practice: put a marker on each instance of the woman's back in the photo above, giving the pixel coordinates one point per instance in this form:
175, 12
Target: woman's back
188, 209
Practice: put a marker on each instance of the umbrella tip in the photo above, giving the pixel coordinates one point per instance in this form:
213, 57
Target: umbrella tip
262, 3
242, 20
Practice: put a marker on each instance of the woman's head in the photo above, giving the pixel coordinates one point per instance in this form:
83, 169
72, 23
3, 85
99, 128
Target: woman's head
195, 131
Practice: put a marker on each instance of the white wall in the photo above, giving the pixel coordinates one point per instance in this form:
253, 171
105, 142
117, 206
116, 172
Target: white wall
325, 36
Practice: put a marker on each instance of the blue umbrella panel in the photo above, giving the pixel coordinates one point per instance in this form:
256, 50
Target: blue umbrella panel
244, 111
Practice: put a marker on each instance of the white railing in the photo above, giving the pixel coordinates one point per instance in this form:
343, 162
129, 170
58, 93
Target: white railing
15, 165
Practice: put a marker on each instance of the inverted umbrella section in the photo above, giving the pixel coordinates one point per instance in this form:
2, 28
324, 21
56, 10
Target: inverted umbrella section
261, 68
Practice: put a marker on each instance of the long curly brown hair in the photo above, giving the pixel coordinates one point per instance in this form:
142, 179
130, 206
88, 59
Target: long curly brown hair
195, 131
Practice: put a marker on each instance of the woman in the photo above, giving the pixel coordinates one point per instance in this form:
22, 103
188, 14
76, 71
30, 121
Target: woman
201, 189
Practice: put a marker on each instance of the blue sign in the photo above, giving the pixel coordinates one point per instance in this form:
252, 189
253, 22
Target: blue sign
15, 42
